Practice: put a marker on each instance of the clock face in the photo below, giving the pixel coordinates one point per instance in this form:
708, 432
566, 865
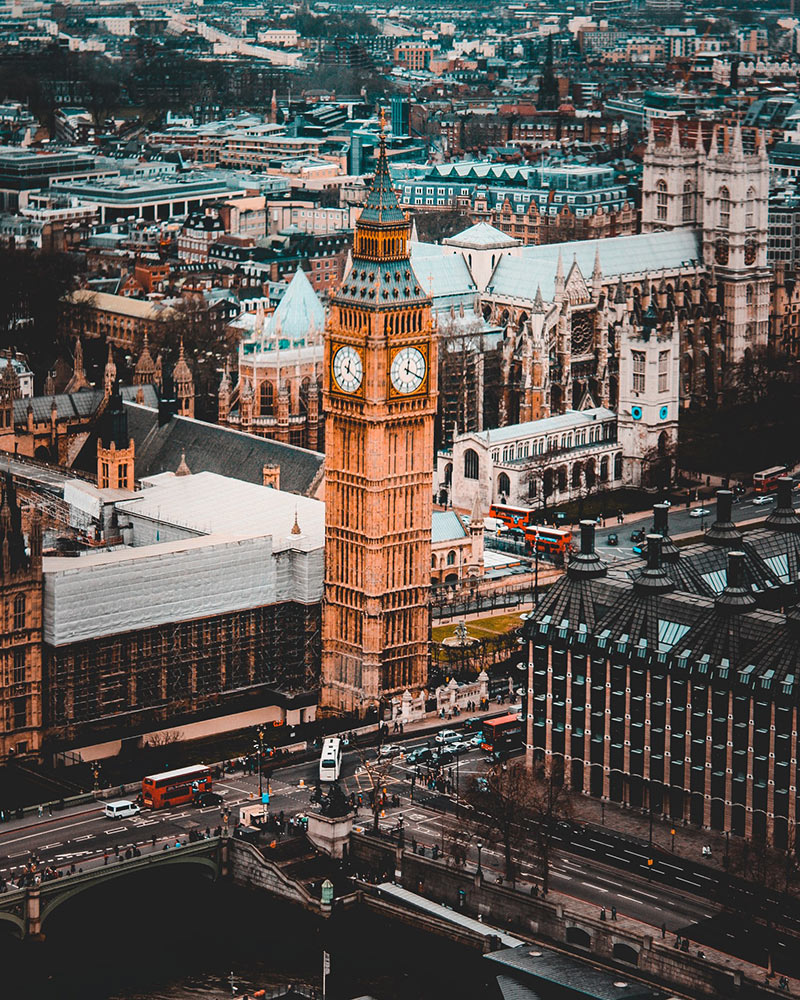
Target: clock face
348, 369
408, 370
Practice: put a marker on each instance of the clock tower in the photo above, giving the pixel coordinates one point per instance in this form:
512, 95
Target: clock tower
379, 395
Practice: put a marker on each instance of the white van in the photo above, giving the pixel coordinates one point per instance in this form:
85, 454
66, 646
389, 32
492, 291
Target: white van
448, 736
121, 809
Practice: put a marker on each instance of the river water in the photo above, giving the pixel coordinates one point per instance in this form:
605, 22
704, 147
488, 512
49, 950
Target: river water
179, 937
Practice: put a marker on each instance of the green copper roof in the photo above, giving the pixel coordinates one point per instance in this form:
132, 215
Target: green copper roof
382, 204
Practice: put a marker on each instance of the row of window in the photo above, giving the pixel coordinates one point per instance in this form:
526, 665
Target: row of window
687, 205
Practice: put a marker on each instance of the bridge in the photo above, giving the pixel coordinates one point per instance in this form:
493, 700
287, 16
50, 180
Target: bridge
28, 909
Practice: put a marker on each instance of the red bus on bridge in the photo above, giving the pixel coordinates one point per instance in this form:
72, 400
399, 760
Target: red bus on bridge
174, 788
502, 735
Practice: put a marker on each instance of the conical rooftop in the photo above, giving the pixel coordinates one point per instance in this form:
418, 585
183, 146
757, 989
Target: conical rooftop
382, 204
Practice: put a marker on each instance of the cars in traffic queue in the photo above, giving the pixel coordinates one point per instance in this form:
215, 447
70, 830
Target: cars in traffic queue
389, 750
419, 755
638, 535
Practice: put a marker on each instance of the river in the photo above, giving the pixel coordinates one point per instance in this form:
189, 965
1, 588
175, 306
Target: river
180, 937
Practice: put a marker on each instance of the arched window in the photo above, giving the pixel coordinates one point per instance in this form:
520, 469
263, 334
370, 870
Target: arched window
688, 202
618, 466
750, 210
503, 486
749, 295
576, 475
433, 562
724, 208
19, 611
661, 201
604, 469
267, 399
451, 558
448, 473
470, 464
305, 385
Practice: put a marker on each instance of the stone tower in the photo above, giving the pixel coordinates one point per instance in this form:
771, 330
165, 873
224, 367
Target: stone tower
184, 385
115, 450
21, 631
711, 184
379, 396
145, 371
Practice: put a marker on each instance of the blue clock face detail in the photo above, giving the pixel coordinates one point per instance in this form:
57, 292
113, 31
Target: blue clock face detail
663, 412
636, 412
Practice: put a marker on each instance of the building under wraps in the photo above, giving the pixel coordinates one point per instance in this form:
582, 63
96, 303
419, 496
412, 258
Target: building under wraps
212, 607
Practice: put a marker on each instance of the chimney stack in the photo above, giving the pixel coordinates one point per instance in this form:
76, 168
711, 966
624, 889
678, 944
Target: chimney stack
736, 597
669, 550
653, 579
723, 531
784, 516
586, 564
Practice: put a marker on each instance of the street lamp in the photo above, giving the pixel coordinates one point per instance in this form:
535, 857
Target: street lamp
400, 833
479, 872
260, 749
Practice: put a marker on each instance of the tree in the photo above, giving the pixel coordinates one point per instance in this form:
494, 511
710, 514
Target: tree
378, 773
550, 805
501, 803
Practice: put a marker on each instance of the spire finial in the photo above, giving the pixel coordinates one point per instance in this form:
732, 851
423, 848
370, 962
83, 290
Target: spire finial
382, 117
296, 527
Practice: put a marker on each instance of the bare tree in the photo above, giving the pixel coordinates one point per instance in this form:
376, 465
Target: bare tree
550, 805
378, 771
501, 802
165, 738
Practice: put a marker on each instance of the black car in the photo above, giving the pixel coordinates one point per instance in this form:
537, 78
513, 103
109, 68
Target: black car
207, 799
613, 539
637, 535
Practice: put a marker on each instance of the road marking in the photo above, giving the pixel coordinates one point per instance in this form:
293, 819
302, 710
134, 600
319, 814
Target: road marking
86, 836
19, 854
643, 893
629, 898
597, 888
116, 829
695, 885
49, 847
233, 788
608, 880
31, 836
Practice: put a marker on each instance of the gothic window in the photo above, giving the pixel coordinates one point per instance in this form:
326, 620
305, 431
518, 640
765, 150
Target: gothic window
504, 485
688, 202
663, 371
590, 474
562, 478
750, 211
19, 665
604, 469
448, 473
305, 386
618, 465
267, 399
470, 464
576, 475
638, 358
19, 612
724, 208
661, 201
749, 295
451, 558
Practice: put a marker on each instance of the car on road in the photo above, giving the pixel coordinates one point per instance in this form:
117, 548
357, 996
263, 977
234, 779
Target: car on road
463, 746
389, 750
448, 736
612, 539
476, 740
764, 498
700, 512
419, 755
207, 799
640, 549
637, 535
121, 809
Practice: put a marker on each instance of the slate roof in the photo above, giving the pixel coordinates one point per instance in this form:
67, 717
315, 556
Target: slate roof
443, 274
381, 284
519, 276
76, 405
382, 204
211, 448
446, 526
548, 425
482, 236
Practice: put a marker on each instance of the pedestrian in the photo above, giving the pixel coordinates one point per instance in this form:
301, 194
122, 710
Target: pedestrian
663, 930
602, 913
677, 941
613, 913
40, 812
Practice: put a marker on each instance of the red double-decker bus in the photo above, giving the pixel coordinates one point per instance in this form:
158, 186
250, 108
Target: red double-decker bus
174, 788
502, 735
767, 479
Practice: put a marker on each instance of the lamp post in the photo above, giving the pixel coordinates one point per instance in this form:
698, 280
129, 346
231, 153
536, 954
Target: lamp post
400, 831
259, 750
479, 872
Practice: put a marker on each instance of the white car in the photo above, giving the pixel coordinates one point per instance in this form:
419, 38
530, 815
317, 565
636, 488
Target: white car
389, 750
448, 736
758, 501
700, 512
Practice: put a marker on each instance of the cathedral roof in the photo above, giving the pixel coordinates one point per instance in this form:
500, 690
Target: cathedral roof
76, 406
299, 312
519, 276
547, 425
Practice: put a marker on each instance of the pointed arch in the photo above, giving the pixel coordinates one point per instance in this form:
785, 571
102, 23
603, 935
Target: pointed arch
724, 208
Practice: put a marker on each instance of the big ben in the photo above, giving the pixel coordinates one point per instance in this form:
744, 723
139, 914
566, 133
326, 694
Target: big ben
380, 400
